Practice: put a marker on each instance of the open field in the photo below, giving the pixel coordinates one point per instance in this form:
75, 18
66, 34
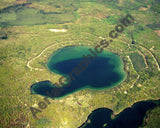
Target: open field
23, 57
138, 61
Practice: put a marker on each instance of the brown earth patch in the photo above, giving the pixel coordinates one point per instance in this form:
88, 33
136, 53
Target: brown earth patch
158, 32
21, 1
142, 9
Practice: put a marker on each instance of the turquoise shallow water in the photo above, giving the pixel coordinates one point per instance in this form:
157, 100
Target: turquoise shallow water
84, 68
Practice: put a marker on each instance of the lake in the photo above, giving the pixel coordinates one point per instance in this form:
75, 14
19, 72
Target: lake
132, 117
84, 68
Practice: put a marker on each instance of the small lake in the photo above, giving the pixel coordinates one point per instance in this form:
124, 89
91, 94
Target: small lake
87, 69
132, 117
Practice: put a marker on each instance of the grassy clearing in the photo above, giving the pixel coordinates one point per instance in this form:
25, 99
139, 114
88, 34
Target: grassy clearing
29, 16
138, 61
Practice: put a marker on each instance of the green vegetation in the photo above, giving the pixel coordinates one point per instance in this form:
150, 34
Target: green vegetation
153, 120
156, 6
22, 15
138, 61
112, 19
42, 122
26, 26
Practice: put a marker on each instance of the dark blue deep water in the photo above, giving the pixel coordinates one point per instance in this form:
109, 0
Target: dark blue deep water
132, 117
83, 70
